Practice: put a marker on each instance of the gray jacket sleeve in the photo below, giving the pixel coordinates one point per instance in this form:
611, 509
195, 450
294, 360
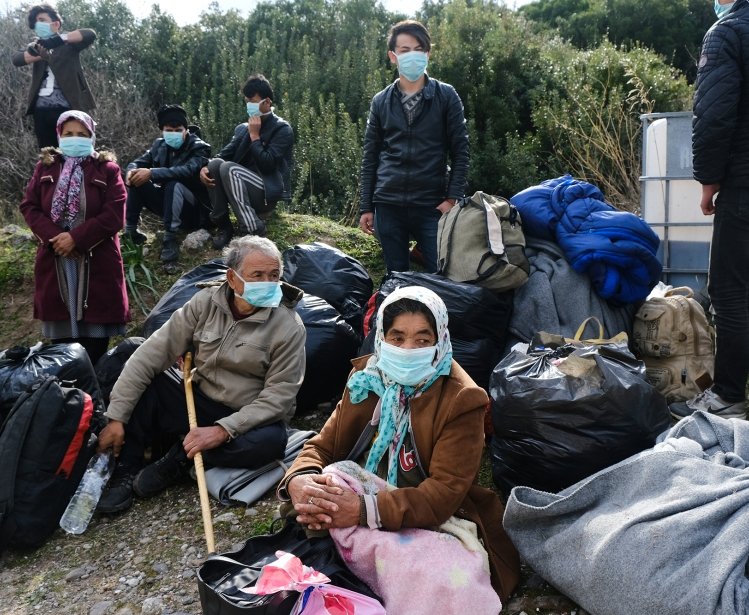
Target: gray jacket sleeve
155, 355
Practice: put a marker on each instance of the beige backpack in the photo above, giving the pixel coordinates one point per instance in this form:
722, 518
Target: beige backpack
481, 241
672, 336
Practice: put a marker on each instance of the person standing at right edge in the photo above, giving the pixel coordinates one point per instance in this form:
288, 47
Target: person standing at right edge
720, 145
414, 124
57, 80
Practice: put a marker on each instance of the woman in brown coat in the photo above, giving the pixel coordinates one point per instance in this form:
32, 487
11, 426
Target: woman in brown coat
75, 205
410, 415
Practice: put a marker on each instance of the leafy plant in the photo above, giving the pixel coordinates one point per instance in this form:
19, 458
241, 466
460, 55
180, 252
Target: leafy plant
137, 275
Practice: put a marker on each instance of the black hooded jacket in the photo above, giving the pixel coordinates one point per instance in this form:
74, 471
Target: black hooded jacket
720, 128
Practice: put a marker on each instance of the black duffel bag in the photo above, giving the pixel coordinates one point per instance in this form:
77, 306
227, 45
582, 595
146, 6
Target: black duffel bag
222, 579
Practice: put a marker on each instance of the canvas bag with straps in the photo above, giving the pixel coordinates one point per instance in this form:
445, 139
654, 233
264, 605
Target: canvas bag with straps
672, 336
481, 241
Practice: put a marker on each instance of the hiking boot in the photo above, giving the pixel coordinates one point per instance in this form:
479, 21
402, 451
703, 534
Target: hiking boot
135, 236
171, 469
169, 250
711, 402
118, 494
223, 237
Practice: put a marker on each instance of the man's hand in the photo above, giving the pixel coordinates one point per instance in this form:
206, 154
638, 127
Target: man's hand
707, 204
63, 245
446, 205
204, 439
366, 223
206, 178
112, 436
138, 177
253, 126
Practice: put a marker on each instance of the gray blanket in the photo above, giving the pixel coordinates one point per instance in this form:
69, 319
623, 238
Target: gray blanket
243, 486
665, 531
556, 299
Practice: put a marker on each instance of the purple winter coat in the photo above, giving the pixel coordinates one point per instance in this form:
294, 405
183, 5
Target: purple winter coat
106, 300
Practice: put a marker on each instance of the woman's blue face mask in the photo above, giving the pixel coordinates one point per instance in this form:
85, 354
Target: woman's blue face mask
407, 366
76, 147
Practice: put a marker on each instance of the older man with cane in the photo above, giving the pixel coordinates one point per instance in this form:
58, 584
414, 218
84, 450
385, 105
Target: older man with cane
248, 345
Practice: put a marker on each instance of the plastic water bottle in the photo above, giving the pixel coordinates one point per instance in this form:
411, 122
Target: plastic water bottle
82, 505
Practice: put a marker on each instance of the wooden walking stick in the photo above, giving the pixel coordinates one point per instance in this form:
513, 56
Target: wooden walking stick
205, 505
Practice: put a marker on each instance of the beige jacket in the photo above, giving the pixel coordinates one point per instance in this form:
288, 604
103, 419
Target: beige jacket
254, 365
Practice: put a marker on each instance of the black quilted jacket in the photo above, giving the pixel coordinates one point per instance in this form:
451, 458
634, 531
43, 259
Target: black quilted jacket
720, 129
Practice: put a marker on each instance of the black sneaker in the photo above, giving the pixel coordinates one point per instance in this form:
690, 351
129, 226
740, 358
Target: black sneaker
118, 494
171, 469
170, 251
136, 237
223, 237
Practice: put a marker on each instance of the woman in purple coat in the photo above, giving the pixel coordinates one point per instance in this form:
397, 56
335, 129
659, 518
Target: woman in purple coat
75, 205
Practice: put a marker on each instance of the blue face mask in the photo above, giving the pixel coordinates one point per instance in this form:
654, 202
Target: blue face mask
722, 9
412, 64
407, 366
76, 147
43, 29
253, 109
173, 139
261, 294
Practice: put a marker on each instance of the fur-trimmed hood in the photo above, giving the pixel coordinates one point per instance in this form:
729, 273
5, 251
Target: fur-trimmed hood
48, 155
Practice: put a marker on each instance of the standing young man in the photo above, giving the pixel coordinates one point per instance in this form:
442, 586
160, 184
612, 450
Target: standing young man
166, 180
720, 149
415, 124
251, 172
57, 80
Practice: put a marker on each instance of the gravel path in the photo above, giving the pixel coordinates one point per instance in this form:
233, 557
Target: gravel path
144, 561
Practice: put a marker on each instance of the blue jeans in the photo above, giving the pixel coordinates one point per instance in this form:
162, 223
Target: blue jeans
396, 225
728, 286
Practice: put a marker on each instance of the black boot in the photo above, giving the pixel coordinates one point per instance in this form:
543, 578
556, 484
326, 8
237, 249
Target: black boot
224, 235
169, 249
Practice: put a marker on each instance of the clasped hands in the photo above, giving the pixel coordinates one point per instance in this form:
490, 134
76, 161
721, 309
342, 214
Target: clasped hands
63, 245
321, 504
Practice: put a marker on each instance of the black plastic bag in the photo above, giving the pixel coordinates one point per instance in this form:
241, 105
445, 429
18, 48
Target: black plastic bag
556, 423
21, 366
475, 313
181, 292
109, 366
223, 579
327, 272
331, 344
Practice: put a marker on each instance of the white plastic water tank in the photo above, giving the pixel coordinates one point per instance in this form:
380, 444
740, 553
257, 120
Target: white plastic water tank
670, 199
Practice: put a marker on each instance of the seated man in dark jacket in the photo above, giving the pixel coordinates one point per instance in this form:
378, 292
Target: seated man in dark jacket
165, 179
413, 125
251, 172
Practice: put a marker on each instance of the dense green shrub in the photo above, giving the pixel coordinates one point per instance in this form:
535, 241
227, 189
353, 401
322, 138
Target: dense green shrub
532, 100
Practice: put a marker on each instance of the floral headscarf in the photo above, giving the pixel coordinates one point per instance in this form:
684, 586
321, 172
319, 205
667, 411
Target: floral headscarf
66, 201
396, 410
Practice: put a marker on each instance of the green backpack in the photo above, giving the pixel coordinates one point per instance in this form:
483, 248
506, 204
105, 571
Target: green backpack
481, 241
